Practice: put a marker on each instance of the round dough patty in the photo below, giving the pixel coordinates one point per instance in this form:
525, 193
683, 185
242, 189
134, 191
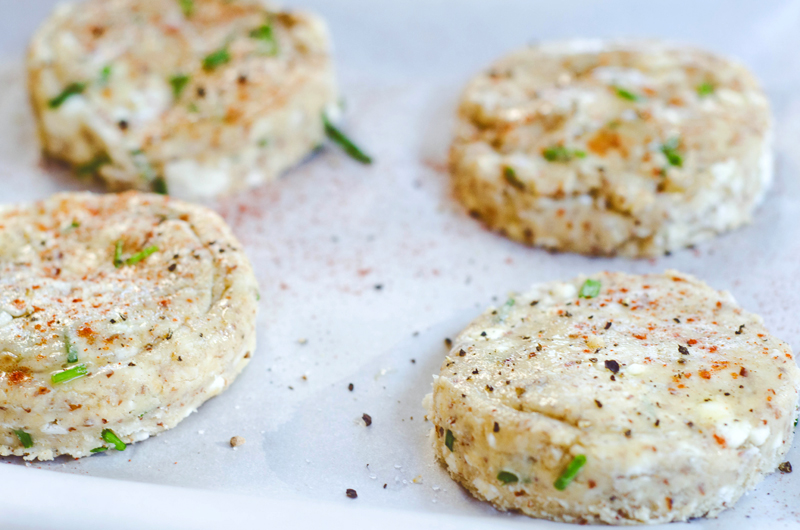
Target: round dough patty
197, 97
152, 299
679, 400
628, 148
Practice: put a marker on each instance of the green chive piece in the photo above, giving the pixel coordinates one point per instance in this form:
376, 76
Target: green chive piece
68, 375
559, 153
265, 34
570, 472
215, 59
187, 6
589, 289
160, 186
705, 89
511, 177
72, 350
105, 74
93, 166
506, 477
670, 150
178, 83
344, 142
118, 254
139, 256
193, 107
24, 438
71, 90
99, 449
75, 224
109, 436
626, 94
449, 439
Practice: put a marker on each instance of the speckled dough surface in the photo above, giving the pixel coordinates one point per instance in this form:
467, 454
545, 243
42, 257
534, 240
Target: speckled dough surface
628, 148
204, 97
151, 338
679, 400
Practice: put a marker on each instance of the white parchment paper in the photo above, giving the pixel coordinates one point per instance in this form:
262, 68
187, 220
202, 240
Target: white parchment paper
365, 270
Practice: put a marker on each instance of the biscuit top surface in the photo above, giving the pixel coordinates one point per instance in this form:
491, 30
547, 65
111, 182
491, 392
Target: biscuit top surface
647, 355
106, 278
633, 118
157, 69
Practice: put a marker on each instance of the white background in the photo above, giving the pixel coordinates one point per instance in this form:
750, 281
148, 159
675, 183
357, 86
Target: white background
322, 238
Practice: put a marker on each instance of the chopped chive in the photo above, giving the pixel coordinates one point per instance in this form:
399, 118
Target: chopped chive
99, 449
160, 186
92, 166
258, 297
506, 477
559, 153
109, 436
146, 171
24, 438
118, 254
215, 59
187, 6
68, 375
71, 90
344, 142
570, 472
193, 107
72, 351
705, 89
589, 289
263, 142
139, 256
670, 150
511, 177
265, 34
105, 74
74, 224
626, 94
178, 83
449, 439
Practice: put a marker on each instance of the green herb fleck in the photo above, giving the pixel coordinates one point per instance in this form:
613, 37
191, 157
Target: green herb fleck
71, 90
559, 153
160, 186
670, 150
93, 166
109, 436
72, 350
589, 289
187, 6
24, 438
143, 165
705, 89
344, 142
99, 449
139, 256
118, 254
449, 439
105, 74
506, 477
74, 224
215, 59
263, 142
193, 107
626, 94
258, 297
570, 472
178, 83
511, 177
68, 375
265, 34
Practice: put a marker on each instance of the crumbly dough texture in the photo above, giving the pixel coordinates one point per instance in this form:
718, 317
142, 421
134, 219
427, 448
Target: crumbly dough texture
612, 148
679, 400
249, 106
158, 337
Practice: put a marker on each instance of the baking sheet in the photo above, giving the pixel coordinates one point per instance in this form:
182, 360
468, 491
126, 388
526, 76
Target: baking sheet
365, 270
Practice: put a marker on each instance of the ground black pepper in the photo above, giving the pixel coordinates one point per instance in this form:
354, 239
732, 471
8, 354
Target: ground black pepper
351, 493
367, 419
612, 365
